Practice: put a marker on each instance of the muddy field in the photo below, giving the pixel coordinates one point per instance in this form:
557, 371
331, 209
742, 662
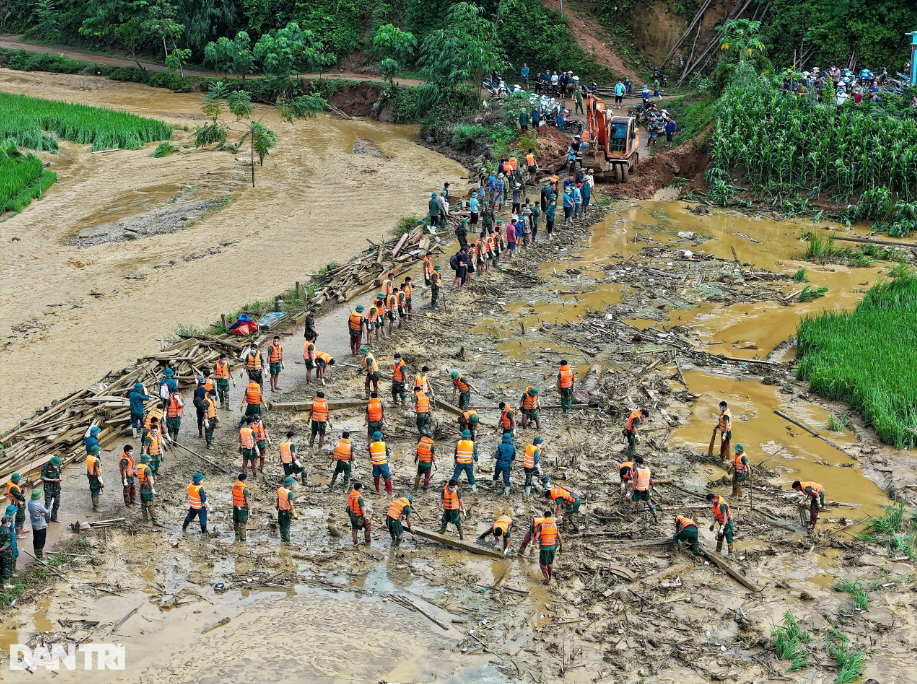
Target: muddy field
646, 316
127, 248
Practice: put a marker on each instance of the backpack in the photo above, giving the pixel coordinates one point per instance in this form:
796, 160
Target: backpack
454, 262
164, 392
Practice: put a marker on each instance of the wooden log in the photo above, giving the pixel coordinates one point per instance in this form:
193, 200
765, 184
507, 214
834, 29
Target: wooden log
871, 241
714, 558
810, 431
333, 405
125, 618
456, 543
400, 244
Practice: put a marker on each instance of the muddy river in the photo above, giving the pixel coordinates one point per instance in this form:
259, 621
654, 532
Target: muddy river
72, 314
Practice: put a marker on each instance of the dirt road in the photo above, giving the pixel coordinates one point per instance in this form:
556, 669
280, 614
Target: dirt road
73, 314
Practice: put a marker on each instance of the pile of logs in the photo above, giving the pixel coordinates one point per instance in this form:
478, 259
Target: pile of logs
367, 271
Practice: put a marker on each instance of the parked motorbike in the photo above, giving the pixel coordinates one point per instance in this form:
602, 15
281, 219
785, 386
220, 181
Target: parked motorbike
661, 77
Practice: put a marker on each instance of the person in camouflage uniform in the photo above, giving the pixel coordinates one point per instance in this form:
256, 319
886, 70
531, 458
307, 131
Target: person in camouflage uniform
51, 477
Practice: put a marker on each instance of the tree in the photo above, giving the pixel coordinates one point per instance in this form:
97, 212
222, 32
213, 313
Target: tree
158, 18
455, 59
115, 20
739, 39
397, 45
231, 56
289, 51
212, 104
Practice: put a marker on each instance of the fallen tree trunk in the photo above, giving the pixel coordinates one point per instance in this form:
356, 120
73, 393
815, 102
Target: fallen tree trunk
870, 241
714, 558
456, 543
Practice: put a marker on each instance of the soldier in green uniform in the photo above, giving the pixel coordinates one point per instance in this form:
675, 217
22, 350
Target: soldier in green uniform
147, 491
436, 284
241, 506
6, 552
17, 498
51, 478
285, 510
94, 474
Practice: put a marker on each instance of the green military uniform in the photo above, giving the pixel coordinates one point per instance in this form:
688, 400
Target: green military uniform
95, 480
6, 556
435, 286
52, 470
688, 533
285, 518
147, 497
209, 425
19, 501
240, 517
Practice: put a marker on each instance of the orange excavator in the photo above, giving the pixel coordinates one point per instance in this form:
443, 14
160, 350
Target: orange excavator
613, 141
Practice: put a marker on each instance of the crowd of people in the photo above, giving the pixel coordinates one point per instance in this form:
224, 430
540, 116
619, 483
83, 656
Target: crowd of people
842, 85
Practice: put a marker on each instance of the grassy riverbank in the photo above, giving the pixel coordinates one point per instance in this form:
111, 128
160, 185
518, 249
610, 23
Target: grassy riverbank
867, 358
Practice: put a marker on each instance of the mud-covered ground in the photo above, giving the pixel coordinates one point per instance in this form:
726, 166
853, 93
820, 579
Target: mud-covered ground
646, 317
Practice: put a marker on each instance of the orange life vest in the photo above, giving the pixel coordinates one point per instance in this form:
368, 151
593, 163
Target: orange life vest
208, 385
355, 322
353, 504
129, 469
450, 499
283, 500
253, 393
421, 381
374, 410
546, 529
398, 371
210, 409
503, 523
174, 409
562, 493
464, 452
461, 384
143, 473
566, 377
275, 354
221, 370
423, 403
260, 432
343, 450
436, 279
425, 450
397, 508
154, 413
377, 453
466, 416
91, 462
681, 522
286, 452
725, 420
370, 365
320, 410
194, 496
427, 266
238, 494
155, 446
817, 488
308, 351
626, 469
528, 461
506, 421
408, 290
253, 360
530, 159
633, 421
247, 438
737, 463
325, 357
643, 475
529, 401
391, 302
717, 513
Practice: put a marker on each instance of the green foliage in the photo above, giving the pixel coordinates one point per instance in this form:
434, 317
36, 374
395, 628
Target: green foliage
851, 662
36, 575
163, 149
25, 118
800, 276
693, 114
401, 102
406, 224
823, 251
855, 588
789, 642
22, 177
810, 293
290, 50
457, 57
231, 56
867, 357
398, 47
739, 39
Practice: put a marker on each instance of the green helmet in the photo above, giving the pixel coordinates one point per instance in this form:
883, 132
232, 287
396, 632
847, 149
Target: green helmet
538, 440
145, 458
466, 434
377, 436
288, 482
15, 477
533, 391
364, 350
739, 448
437, 267
474, 418
36, 494
410, 498
380, 295
96, 449
454, 375
55, 460
359, 309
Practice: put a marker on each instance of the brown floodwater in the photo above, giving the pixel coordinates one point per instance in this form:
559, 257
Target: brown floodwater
314, 202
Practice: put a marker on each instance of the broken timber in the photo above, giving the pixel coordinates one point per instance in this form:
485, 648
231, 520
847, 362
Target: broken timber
307, 405
456, 543
714, 558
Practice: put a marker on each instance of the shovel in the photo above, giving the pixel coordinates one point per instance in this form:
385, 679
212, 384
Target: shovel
712, 440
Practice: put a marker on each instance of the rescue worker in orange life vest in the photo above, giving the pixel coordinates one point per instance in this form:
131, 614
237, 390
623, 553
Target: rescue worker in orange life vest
94, 473
289, 462
685, 530
399, 510
545, 531
468, 420
634, 421
466, 455
285, 510
223, 375
452, 506
529, 405
275, 359
626, 472
561, 496
253, 364
724, 426
421, 404
342, 459
399, 377
530, 465
379, 455
722, 516
319, 418
565, 382
197, 503
741, 471
241, 506
816, 493
356, 509
375, 415
502, 529
462, 386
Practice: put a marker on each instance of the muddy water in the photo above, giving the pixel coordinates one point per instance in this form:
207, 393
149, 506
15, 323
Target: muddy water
314, 202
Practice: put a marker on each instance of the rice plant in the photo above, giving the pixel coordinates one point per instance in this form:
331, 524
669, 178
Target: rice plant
866, 358
836, 424
800, 276
789, 642
22, 177
855, 588
851, 661
887, 523
164, 148
24, 119
809, 293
